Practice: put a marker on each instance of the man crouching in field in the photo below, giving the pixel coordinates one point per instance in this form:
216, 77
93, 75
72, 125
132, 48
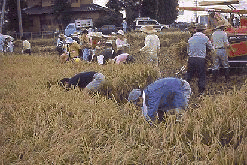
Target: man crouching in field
89, 81
163, 95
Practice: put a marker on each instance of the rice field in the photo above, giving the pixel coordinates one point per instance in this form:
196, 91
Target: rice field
41, 123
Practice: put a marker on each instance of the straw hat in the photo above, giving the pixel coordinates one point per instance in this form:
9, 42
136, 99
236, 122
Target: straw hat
96, 34
121, 32
220, 26
149, 29
69, 40
61, 36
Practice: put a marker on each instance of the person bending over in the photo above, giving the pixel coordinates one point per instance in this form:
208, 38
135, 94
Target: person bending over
163, 95
90, 81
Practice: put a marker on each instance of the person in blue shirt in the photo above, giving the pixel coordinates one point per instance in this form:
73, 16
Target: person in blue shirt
197, 46
90, 81
162, 96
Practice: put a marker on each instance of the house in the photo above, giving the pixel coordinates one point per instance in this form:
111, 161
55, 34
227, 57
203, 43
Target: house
41, 17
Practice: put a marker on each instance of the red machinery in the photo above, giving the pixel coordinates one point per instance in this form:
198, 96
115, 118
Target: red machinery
237, 53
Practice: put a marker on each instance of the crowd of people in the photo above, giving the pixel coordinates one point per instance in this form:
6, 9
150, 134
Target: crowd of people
165, 95
171, 94
198, 45
94, 47
6, 43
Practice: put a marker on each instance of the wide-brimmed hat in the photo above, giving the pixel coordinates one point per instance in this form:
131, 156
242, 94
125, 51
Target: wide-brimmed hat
220, 26
69, 40
95, 34
134, 95
149, 29
121, 32
61, 36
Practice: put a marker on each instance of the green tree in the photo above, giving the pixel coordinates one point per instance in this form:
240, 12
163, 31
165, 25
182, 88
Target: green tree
111, 18
61, 9
131, 7
164, 11
116, 5
12, 16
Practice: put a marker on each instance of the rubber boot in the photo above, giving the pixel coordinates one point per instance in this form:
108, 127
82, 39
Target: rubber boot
227, 74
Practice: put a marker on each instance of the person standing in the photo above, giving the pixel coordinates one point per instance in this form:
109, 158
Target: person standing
85, 46
10, 44
152, 45
124, 23
60, 44
1, 42
197, 45
26, 46
220, 43
163, 95
121, 41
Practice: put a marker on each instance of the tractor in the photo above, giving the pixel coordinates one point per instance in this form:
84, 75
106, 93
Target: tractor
237, 35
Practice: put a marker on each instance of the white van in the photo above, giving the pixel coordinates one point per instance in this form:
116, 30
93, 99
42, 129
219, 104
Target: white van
78, 25
140, 22
70, 29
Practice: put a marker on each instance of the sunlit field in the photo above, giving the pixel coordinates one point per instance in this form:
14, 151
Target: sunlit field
41, 123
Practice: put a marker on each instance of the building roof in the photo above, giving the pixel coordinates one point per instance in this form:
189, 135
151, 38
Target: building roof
49, 9
39, 10
88, 7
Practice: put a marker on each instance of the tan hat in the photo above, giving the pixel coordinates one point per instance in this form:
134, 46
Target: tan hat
220, 26
149, 29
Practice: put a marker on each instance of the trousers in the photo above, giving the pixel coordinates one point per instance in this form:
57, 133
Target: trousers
197, 65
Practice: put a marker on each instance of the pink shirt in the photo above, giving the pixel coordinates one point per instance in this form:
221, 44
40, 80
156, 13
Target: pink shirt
121, 58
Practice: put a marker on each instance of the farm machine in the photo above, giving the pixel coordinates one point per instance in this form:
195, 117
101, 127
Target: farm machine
237, 35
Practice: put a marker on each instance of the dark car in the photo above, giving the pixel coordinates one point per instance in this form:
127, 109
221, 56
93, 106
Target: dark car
107, 29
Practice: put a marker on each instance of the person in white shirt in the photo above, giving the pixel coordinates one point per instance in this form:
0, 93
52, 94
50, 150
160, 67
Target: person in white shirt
124, 23
10, 44
220, 43
121, 41
152, 45
26, 46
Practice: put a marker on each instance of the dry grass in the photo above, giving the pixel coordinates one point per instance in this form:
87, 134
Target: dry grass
43, 124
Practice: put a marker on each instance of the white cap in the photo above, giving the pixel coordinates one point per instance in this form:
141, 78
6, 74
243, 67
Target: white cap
121, 32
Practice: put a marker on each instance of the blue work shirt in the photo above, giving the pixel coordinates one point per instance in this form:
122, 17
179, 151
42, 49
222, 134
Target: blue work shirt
198, 44
165, 94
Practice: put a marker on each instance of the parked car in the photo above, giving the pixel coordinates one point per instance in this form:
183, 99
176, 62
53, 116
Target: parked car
107, 29
140, 22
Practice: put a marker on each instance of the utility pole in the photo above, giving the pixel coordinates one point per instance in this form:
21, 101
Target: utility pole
195, 12
19, 16
2, 16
